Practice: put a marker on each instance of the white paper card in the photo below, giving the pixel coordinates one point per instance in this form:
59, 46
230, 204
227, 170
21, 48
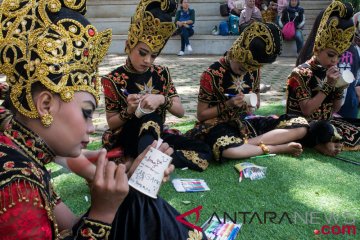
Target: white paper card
147, 177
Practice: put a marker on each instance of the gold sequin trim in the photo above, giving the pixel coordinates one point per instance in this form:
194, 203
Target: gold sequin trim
329, 34
64, 57
149, 124
194, 157
195, 235
240, 50
223, 142
95, 230
293, 121
148, 29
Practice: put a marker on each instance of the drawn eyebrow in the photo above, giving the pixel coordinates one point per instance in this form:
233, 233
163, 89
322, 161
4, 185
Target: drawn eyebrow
145, 50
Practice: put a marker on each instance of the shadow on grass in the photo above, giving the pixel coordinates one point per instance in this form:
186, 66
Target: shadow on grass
320, 189
309, 186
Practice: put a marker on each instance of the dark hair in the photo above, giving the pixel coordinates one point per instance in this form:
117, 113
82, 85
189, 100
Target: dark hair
307, 50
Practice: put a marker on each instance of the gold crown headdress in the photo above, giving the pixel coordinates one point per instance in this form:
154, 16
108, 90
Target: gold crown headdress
240, 50
146, 28
329, 34
63, 56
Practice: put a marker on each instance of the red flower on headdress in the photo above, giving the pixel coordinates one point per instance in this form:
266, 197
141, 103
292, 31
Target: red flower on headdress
205, 82
9, 165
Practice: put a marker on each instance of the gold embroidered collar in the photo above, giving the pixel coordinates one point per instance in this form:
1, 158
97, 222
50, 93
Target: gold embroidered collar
31, 144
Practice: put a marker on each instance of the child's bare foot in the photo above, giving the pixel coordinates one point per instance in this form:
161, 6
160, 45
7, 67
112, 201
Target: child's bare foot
329, 148
295, 149
292, 148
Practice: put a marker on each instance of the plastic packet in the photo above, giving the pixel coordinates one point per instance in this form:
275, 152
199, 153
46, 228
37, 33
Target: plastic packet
252, 171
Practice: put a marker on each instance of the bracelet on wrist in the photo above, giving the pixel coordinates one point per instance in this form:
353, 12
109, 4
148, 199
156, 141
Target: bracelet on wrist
327, 89
124, 115
167, 103
221, 108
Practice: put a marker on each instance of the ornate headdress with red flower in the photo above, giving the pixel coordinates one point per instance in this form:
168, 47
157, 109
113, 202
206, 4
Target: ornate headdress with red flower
52, 43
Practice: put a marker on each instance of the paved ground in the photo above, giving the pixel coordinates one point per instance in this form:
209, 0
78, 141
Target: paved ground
186, 72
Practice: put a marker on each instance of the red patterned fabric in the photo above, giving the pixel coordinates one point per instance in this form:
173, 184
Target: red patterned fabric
205, 82
25, 219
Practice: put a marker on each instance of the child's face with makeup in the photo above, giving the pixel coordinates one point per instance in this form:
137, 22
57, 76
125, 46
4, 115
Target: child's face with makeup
72, 125
327, 57
142, 57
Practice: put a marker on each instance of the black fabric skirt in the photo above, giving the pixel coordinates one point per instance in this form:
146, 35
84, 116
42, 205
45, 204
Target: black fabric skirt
143, 218
349, 129
323, 131
188, 152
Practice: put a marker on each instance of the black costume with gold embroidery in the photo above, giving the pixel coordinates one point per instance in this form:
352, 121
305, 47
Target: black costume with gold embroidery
27, 193
139, 216
48, 45
336, 31
229, 129
304, 83
156, 80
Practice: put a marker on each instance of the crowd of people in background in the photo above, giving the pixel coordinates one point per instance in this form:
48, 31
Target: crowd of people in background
279, 12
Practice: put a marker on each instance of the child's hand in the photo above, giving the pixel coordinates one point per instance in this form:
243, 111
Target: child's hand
108, 190
152, 101
237, 101
133, 101
332, 75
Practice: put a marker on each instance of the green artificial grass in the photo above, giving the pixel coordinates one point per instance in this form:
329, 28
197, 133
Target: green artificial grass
315, 188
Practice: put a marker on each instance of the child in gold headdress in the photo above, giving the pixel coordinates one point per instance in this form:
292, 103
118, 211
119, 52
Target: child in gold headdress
139, 86
49, 54
221, 102
312, 89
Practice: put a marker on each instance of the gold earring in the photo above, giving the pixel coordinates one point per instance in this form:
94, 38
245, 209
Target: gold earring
46, 119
